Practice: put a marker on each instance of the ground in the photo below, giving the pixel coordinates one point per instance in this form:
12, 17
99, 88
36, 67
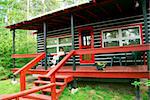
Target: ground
86, 90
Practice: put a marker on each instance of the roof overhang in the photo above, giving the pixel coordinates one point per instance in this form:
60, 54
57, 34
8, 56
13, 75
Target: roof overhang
84, 13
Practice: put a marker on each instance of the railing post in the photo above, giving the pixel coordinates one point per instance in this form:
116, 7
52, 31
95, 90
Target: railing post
13, 46
22, 81
53, 89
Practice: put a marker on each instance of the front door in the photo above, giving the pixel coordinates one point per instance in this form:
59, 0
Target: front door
86, 41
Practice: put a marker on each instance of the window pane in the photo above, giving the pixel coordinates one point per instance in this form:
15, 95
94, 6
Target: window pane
66, 48
65, 40
87, 57
110, 34
51, 41
131, 41
86, 37
111, 43
52, 50
130, 32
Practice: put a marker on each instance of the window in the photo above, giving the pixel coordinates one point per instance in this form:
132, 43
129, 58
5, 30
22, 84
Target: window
122, 36
86, 38
53, 44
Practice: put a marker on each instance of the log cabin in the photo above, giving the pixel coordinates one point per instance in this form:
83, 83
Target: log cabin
116, 32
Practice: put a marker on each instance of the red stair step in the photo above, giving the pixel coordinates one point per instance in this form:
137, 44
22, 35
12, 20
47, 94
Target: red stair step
63, 76
58, 91
47, 82
37, 97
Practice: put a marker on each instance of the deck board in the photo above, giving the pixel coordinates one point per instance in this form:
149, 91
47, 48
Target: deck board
139, 68
139, 71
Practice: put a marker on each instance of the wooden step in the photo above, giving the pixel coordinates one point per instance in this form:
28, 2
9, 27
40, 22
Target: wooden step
47, 82
66, 78
58, 91
34, 96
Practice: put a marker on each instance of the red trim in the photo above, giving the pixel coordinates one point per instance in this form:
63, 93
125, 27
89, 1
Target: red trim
86, 47
142, 40
123, 26
141, 33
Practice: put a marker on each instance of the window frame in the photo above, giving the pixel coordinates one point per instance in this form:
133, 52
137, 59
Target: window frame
120, 38
58, 44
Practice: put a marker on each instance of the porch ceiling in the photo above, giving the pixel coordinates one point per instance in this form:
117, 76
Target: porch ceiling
83, 14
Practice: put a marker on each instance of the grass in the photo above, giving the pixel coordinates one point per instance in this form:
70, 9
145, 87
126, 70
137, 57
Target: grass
7, 88
86, 91
99, 91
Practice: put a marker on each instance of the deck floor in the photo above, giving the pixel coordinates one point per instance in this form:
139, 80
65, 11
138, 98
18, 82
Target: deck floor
139, 71
139, 68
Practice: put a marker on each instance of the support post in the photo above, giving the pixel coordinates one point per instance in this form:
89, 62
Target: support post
53, 89
45, 44
22, 81
144, 9
13, 46
73, 48
73, 45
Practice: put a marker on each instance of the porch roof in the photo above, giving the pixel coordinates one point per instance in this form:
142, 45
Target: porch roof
89, 12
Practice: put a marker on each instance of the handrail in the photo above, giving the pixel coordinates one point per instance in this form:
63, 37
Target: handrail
24, 55
60, 64
116, 49
32, 63
142, 47
26, 92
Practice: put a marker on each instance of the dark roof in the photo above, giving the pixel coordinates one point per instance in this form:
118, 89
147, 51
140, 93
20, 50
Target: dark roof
83, 14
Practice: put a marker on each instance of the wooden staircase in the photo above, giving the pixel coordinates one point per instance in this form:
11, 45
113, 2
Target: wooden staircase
50, 85
61, 83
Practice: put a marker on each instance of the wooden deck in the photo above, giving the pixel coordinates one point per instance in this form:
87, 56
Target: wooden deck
142, 68
139, 71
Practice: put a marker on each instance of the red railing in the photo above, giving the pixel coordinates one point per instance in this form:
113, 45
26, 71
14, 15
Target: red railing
26, 92
22, 71
117, 49
51, 74
60, 64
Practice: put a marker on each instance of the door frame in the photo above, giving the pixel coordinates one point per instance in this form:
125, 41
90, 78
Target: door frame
84, 47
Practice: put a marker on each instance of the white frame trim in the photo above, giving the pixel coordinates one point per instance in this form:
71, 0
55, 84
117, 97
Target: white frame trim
120, 38
59, 45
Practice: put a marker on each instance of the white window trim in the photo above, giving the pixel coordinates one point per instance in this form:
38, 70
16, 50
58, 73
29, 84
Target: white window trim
59, 45
120, 38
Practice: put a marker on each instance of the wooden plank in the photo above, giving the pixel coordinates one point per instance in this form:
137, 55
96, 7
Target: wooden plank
107, 74
24, 55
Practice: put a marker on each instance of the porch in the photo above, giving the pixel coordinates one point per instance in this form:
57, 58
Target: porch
139, 71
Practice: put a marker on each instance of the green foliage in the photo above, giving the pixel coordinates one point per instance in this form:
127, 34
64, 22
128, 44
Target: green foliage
5, 74
147, 83
136, 83
13, 11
